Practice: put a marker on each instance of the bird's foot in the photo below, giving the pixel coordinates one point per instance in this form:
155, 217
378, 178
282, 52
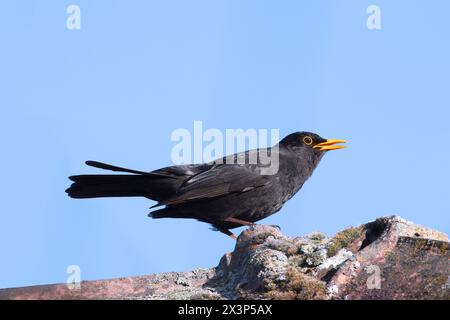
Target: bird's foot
227, 232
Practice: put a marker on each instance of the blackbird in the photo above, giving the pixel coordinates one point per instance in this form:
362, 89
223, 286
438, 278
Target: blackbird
223, 194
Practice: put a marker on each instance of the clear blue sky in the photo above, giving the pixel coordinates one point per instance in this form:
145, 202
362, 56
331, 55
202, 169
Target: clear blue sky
116, 89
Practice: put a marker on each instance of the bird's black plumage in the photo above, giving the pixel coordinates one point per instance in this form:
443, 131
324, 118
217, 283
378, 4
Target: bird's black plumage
226, 195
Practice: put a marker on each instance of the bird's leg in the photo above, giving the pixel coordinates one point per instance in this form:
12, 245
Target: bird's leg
227, 232
241, 222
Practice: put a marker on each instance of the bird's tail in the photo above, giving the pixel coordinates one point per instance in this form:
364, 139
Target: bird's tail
140, 184
96, 186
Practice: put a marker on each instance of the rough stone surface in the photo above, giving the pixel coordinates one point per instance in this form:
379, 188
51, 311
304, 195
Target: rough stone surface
389, 258
395, 259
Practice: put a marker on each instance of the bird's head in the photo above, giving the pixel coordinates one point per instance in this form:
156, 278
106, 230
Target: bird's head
310, 144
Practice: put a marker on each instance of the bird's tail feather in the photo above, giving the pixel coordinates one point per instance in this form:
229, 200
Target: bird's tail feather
96, 186
105, 166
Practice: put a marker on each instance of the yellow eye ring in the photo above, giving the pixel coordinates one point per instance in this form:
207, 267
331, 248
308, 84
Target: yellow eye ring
307, 140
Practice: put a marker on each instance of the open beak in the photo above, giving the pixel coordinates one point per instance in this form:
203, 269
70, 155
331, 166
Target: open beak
329, 145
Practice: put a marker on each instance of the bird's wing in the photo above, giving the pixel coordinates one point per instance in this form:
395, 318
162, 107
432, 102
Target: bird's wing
184, 171
218, 180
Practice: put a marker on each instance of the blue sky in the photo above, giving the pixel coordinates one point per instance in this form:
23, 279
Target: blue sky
116, 89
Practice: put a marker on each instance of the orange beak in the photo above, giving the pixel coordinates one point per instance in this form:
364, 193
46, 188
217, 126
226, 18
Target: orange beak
329, 145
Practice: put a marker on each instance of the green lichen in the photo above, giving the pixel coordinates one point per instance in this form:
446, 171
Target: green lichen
444, 248
298, 286
297, 261
261, 237
317, 237
343, 239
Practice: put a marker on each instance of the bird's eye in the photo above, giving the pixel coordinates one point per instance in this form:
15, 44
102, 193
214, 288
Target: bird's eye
308, 140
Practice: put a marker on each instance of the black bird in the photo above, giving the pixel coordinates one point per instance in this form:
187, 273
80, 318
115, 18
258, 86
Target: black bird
223, 194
